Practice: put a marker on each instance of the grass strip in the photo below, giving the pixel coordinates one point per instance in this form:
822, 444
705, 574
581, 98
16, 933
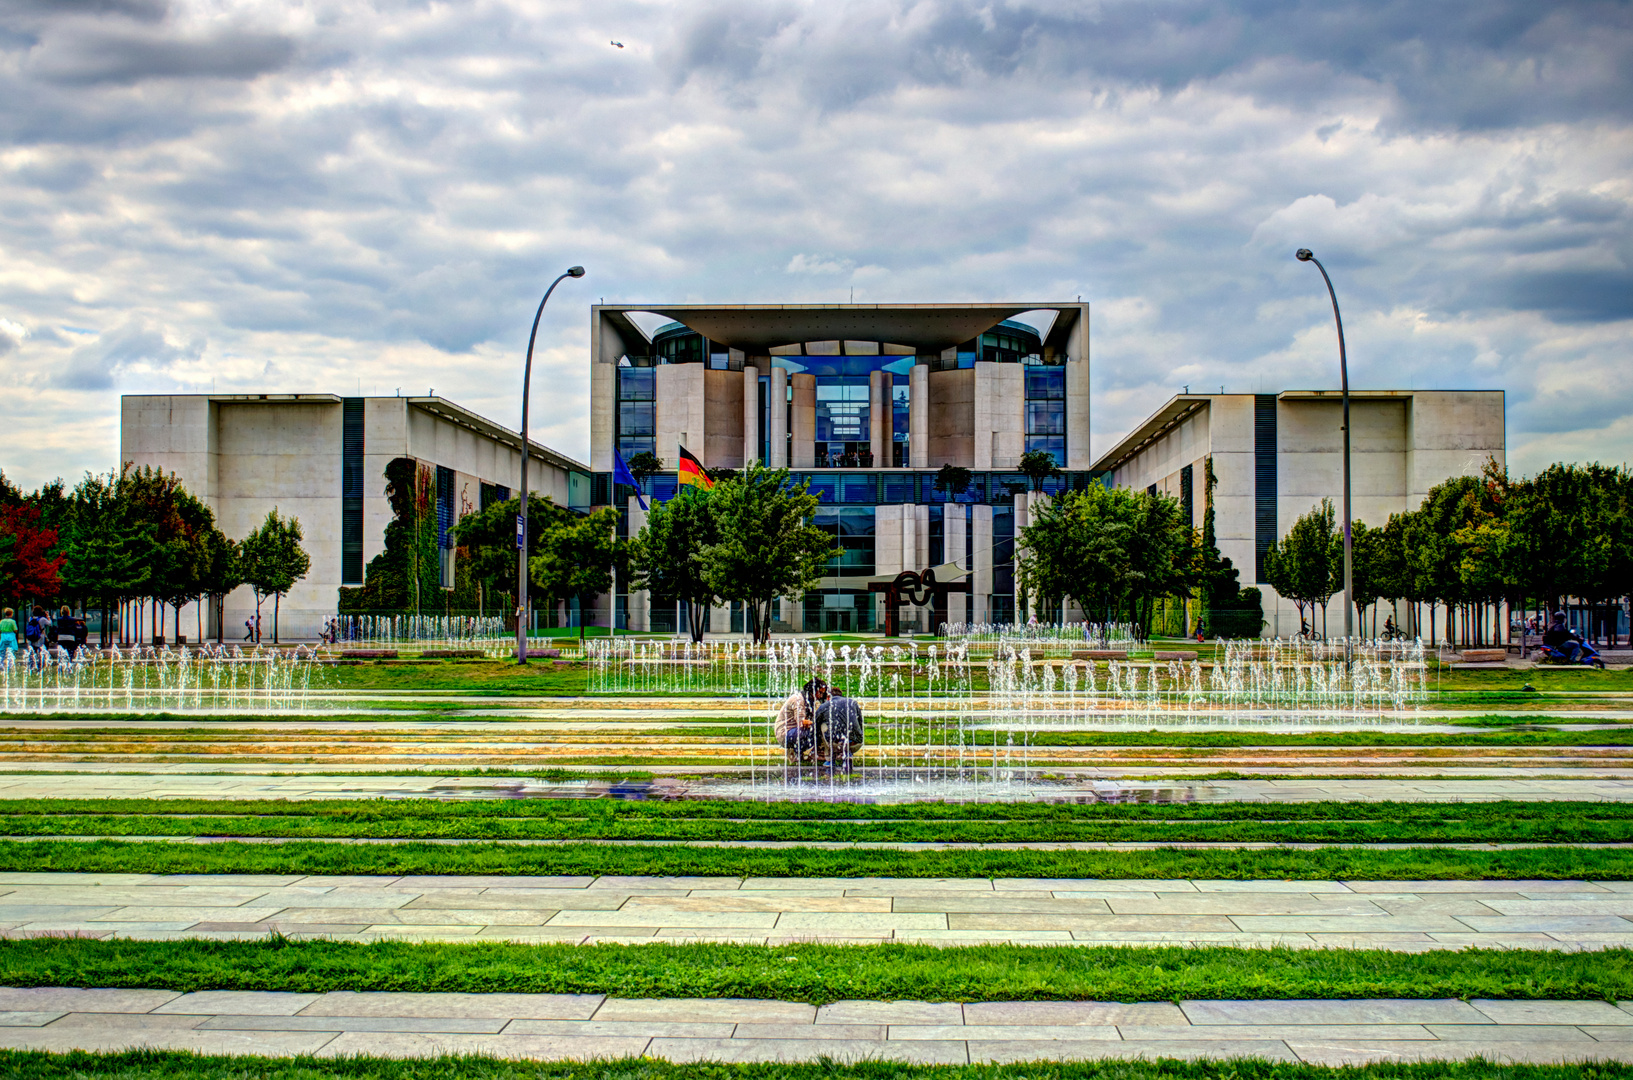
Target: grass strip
819, 822
170, 1065
413, 857
819, 974
606, 810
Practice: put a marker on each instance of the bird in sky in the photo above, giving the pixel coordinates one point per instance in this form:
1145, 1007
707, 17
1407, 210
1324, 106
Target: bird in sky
620, 44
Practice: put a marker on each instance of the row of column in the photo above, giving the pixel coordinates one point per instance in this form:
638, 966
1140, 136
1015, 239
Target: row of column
802, 416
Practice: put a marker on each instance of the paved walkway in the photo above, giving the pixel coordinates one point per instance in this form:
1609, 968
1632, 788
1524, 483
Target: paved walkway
1397, 915
165, 782
578, 1026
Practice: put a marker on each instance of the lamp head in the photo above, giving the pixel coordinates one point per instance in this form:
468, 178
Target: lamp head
1304, 254
578, 271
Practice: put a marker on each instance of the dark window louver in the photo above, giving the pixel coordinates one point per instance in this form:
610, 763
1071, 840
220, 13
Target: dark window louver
1264, 479
1186, 506
445, 506
351, 491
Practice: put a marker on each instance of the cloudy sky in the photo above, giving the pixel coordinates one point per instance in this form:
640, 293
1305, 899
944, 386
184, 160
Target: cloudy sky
334, 195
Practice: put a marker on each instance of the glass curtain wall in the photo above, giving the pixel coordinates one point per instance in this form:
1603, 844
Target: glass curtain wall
637, 413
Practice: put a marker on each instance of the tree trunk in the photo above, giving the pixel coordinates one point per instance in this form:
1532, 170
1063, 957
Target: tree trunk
276, 600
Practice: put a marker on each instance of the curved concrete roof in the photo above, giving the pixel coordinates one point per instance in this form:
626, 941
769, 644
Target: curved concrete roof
756, 328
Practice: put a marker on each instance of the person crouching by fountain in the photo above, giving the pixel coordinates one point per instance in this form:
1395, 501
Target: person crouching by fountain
838, 729
794, 727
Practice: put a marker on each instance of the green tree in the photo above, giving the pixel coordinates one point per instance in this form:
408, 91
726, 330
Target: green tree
1038, 466
1227, 609
223, 572
272, 561
953, 480
576, 559
768, 545
644, 464
487, 545
1367, 559
408, 571
1110, 551
669, 557
1299, 566
105, 553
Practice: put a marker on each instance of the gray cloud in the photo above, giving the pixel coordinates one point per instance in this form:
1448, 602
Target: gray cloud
377, 192
103, 51
135, 343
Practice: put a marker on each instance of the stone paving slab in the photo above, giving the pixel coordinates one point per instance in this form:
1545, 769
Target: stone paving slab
1402, 915
577, 1027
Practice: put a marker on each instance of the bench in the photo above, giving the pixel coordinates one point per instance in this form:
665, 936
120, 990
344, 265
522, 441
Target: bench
1099, 654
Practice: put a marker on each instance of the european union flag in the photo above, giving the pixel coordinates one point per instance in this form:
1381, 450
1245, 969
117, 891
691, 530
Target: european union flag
622, 475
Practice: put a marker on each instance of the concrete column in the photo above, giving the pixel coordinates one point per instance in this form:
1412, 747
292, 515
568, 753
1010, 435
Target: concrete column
603, 403
640, 603
952, 532
1078, 454
981, 578
751, 415
681, 411
879, 417
918, 417
779, 418
803, 451
888, 532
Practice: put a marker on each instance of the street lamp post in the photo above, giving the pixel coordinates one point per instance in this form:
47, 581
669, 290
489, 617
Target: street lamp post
521, 514
1306, 255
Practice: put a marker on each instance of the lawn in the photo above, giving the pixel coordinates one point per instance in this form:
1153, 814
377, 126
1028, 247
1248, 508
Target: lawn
825, 822
428, 857
162, 1065
821, 973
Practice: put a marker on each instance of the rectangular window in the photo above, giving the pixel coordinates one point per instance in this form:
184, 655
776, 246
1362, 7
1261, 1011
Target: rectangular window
351, 491
636, 414
445, 523
1003, 557
1046, 418
852, 528
1264, 479
898, 488
1186, 506
938, 535
1046, 411
493, 493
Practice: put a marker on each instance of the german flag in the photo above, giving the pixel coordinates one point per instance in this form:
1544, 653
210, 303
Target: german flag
691, 471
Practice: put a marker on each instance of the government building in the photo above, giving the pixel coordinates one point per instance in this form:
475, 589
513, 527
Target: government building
866, 402
1276, 456
322, 459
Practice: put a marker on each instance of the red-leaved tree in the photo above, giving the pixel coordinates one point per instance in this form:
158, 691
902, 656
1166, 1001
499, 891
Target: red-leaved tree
27, 569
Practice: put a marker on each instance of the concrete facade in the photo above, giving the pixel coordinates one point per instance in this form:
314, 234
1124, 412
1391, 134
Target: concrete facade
1403, 443
244, 455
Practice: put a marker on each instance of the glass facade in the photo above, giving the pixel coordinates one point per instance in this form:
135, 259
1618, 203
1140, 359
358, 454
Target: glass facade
842, 415
1046, 411
637, 411
846, 478
1002, 601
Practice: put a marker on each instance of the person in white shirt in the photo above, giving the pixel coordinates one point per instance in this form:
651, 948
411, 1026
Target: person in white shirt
793, 727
